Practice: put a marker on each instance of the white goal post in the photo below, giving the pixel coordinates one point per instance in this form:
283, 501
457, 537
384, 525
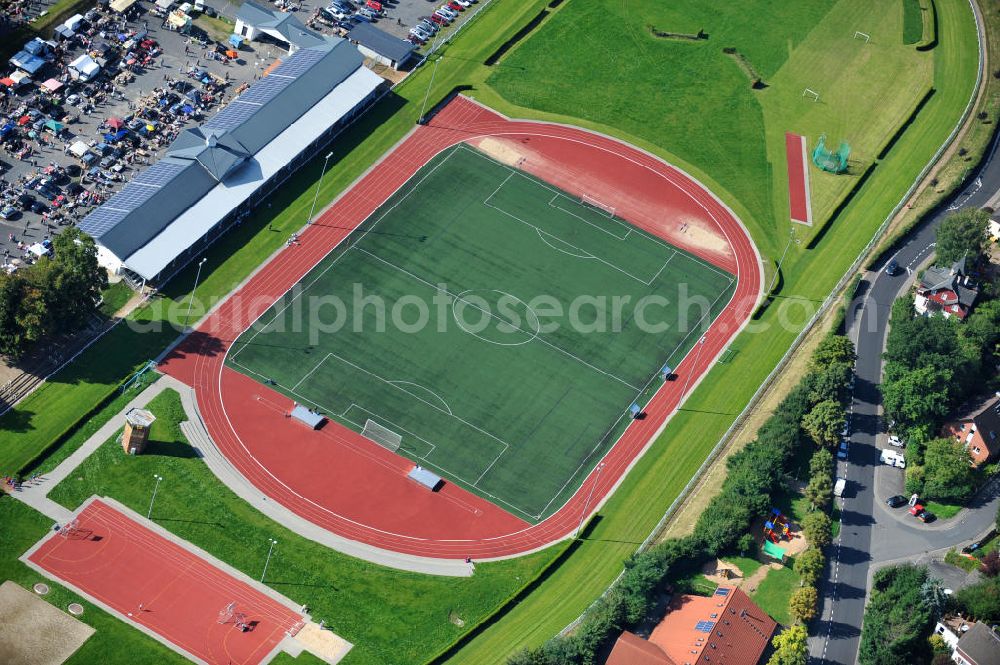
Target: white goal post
809, 92
381, 435
862, 35
591, 202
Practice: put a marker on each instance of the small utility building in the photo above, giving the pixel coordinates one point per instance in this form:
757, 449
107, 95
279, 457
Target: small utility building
380, 46
253, 21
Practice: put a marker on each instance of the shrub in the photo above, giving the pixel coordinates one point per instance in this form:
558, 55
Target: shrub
802, 604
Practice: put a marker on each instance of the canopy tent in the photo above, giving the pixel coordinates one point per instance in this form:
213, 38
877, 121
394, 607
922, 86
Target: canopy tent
52, 85
114, 122
54, 126
121, 5
235, 40
7, 81
79, 148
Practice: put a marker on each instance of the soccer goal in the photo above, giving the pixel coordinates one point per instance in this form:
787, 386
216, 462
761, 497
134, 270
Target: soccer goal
591, 202
862, 35
383, 436
809, 92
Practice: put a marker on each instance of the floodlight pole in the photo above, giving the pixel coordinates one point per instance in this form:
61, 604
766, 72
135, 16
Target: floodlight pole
326, 160
268, 560
197, 276
430, 84
777, 271
590, 495
155, 487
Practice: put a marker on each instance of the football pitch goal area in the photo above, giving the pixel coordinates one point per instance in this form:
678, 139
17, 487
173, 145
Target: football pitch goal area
489, 327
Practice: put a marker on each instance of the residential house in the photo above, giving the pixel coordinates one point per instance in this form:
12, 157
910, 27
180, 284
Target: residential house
946, 290
725, 628
979, 429
979, 645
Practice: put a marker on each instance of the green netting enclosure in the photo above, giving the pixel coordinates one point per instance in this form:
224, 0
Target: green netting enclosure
832, 162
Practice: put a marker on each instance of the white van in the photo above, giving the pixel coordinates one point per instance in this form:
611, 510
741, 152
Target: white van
839, 487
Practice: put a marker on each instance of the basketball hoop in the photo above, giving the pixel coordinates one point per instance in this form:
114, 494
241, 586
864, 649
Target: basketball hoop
69, 528
227, 612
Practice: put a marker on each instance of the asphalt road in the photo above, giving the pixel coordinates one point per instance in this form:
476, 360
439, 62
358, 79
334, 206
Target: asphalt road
872, 534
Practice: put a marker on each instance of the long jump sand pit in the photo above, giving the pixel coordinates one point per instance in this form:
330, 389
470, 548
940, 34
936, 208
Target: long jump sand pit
33, 632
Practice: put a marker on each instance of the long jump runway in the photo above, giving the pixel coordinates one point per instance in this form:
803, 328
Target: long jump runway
356, 489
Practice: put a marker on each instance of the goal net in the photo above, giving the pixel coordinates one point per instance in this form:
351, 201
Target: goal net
383, 436
69, 529
590, 202
829, 160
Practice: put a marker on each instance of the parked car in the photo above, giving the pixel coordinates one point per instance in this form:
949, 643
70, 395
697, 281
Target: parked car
892, 268
916, 509
447, 17
416, 39
10, 212
454, 6
420, 32
368, 13
448, 11
39, 207
429, 26
926, 516
440, 20
896, 501
896, 441
842, 450
839, 487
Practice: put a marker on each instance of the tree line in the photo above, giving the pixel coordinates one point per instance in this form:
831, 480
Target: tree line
54, 296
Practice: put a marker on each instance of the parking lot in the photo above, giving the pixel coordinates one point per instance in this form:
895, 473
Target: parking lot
156, 82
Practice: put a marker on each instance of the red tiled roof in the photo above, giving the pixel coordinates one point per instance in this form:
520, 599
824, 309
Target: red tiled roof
630, 649
724, 629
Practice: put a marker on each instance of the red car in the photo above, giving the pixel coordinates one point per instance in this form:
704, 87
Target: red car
916, 510
373, 5
454, 5
58, 201
438, 19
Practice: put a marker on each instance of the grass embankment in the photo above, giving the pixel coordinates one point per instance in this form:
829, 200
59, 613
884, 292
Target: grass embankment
391, 616
808, 274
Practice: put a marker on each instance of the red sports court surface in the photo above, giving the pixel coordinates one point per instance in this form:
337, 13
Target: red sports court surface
354, 488
797, 157
118, 562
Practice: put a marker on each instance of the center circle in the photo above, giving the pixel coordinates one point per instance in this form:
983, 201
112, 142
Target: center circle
528, 329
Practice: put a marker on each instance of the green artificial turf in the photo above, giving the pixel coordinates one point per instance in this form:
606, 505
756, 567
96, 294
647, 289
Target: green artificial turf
389, 615
774, 591
482, 386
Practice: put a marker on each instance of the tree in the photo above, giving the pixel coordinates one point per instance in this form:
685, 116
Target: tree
990, 564
962, 233
809, 565
896, 619
818, 529
802, 604
790, 647
917, 397
829, 383
74, 279
824, 422
981, 600
948, 471
745, 544
833, 350
821, 462
819, 491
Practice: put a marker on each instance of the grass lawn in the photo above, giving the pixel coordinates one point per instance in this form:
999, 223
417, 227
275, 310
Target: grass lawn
115, 297
746, 565
695, 584
392, 616
773, 593
968, 564
483, 403
115, 642
943, 510
913, 21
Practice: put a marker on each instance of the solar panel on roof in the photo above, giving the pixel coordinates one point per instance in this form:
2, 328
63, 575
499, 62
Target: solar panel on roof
265, 90
722, 592
131, 197
298, 63
232, 116
159, 174
704, 626
101, 221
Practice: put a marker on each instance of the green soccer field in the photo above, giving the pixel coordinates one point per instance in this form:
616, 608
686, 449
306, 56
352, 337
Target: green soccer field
500, 327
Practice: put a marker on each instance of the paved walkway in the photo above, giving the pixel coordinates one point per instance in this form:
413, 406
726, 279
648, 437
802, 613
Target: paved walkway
35, 493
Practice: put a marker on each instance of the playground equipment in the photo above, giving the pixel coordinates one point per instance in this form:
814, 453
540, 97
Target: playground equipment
829, 161
776, 527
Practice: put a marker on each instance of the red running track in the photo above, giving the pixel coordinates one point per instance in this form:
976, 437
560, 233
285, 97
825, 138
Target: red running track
354, 488
121, 563
796, 156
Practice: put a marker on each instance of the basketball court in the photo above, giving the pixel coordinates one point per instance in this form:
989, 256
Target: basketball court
177, 595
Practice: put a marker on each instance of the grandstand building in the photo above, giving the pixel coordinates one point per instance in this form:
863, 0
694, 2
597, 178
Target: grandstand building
213, 174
